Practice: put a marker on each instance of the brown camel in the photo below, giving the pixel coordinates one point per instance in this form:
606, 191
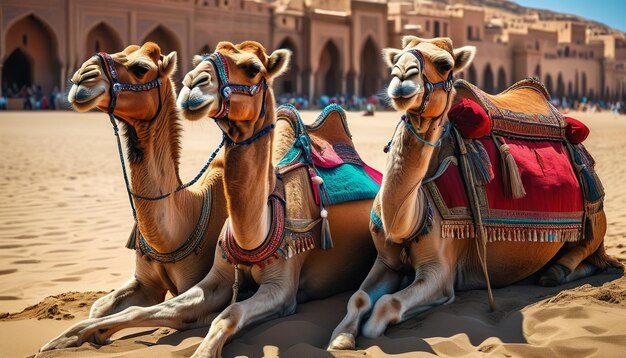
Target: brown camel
255, 199
190, 218
441, 264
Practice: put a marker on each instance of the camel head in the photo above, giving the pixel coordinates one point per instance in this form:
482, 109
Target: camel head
135, 65
233, 84
407, 87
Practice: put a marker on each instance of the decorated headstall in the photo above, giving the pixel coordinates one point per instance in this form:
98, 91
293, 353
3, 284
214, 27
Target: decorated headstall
227, 89
116, 86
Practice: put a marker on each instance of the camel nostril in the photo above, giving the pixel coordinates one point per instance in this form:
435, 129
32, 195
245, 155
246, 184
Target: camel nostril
202, 80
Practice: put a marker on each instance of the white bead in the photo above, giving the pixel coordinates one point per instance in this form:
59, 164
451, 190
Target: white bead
324, 213
317, 180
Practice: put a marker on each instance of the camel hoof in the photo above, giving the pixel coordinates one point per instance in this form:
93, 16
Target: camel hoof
342, 342
554, 276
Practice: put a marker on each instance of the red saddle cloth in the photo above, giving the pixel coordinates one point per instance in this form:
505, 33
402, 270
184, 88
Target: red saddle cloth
551, 210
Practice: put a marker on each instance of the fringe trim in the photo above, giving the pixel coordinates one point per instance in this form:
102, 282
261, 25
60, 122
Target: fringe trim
498, 233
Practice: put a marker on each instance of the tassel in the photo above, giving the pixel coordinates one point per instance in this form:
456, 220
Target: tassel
592, 191
479, 163
510, 174
132, 238
588, 229
326, 239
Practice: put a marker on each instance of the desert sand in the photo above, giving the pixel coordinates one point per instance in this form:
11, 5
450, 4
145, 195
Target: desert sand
65, 217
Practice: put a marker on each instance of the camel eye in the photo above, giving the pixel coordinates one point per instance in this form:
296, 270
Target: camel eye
138, 71
251, 69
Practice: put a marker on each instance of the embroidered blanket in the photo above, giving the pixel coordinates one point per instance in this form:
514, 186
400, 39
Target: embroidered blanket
553, 208
522, 110
326, 148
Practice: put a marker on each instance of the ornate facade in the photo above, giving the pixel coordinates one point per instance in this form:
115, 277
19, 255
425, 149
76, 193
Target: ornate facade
336, 43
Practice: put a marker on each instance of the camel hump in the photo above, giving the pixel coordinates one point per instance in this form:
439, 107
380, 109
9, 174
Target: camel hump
331, 126
289, 113
524, 109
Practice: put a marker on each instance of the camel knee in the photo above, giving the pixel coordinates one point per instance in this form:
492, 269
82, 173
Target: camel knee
388, 310
359, 302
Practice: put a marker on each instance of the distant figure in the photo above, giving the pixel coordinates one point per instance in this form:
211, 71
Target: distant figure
3, 102
369, 110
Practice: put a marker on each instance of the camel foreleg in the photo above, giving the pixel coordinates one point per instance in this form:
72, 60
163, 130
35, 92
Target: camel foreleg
276, 297
433, 286
188, 310
131, 293
381, 280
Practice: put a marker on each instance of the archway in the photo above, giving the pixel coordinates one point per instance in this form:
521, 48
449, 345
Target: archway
168, 42
488, 85
329, 74
370, 69
471, 75
103, 38
288, 84
502, 83
206, 49
560, 87
17, 72
549, 85
583, 81
31, 49
570, 90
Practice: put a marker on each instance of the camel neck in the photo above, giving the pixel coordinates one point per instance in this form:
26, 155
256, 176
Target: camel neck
249, 179
154, 150
407, 163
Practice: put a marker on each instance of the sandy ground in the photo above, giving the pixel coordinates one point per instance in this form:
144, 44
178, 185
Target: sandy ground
64, 220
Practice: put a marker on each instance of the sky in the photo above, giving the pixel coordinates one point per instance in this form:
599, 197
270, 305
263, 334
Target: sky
610, 12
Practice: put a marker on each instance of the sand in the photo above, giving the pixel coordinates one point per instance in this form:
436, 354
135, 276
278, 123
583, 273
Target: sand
64, 220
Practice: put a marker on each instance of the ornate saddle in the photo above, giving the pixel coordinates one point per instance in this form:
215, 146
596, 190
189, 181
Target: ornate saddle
326, 147
522, 110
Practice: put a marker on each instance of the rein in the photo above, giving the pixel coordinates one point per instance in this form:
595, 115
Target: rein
114, 89
429, 88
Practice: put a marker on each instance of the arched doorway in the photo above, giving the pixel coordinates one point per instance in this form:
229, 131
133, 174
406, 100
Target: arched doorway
17, 72
329, 74
168, 42
549, 85
288, 84
206, 49
471, 75
488, 85
103, 38
560, 87
370, 69
31, 59
583, 81
502, 83
570, 90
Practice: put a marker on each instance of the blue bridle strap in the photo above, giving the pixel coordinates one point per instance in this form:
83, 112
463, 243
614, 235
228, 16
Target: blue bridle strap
114, 89
429, 87
227, 89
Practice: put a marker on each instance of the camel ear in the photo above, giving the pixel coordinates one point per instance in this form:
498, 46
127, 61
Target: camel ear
278, 63
167, 64
197, 59
463, 56
389, 55
411, 41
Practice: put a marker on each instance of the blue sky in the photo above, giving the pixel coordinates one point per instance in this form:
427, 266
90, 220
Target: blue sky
610, 12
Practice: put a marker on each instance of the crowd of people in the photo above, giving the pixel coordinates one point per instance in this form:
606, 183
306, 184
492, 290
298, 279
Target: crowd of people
585, 105
33, 97
349, 102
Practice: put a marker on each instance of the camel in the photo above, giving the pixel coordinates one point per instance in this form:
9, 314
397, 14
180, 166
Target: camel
408, 236
233, 85
185, 224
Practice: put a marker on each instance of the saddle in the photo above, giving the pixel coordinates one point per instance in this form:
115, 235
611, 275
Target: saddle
327, 149
522, 110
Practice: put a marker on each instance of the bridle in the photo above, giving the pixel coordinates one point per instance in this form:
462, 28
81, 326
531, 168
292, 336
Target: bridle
227, 90
108, 64
429, 88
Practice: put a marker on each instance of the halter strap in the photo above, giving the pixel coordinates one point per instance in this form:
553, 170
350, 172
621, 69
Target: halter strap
114, 89
227, 89
429, 87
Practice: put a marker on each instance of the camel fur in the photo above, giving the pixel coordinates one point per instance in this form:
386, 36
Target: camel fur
153, 149
441, 266
249, 177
